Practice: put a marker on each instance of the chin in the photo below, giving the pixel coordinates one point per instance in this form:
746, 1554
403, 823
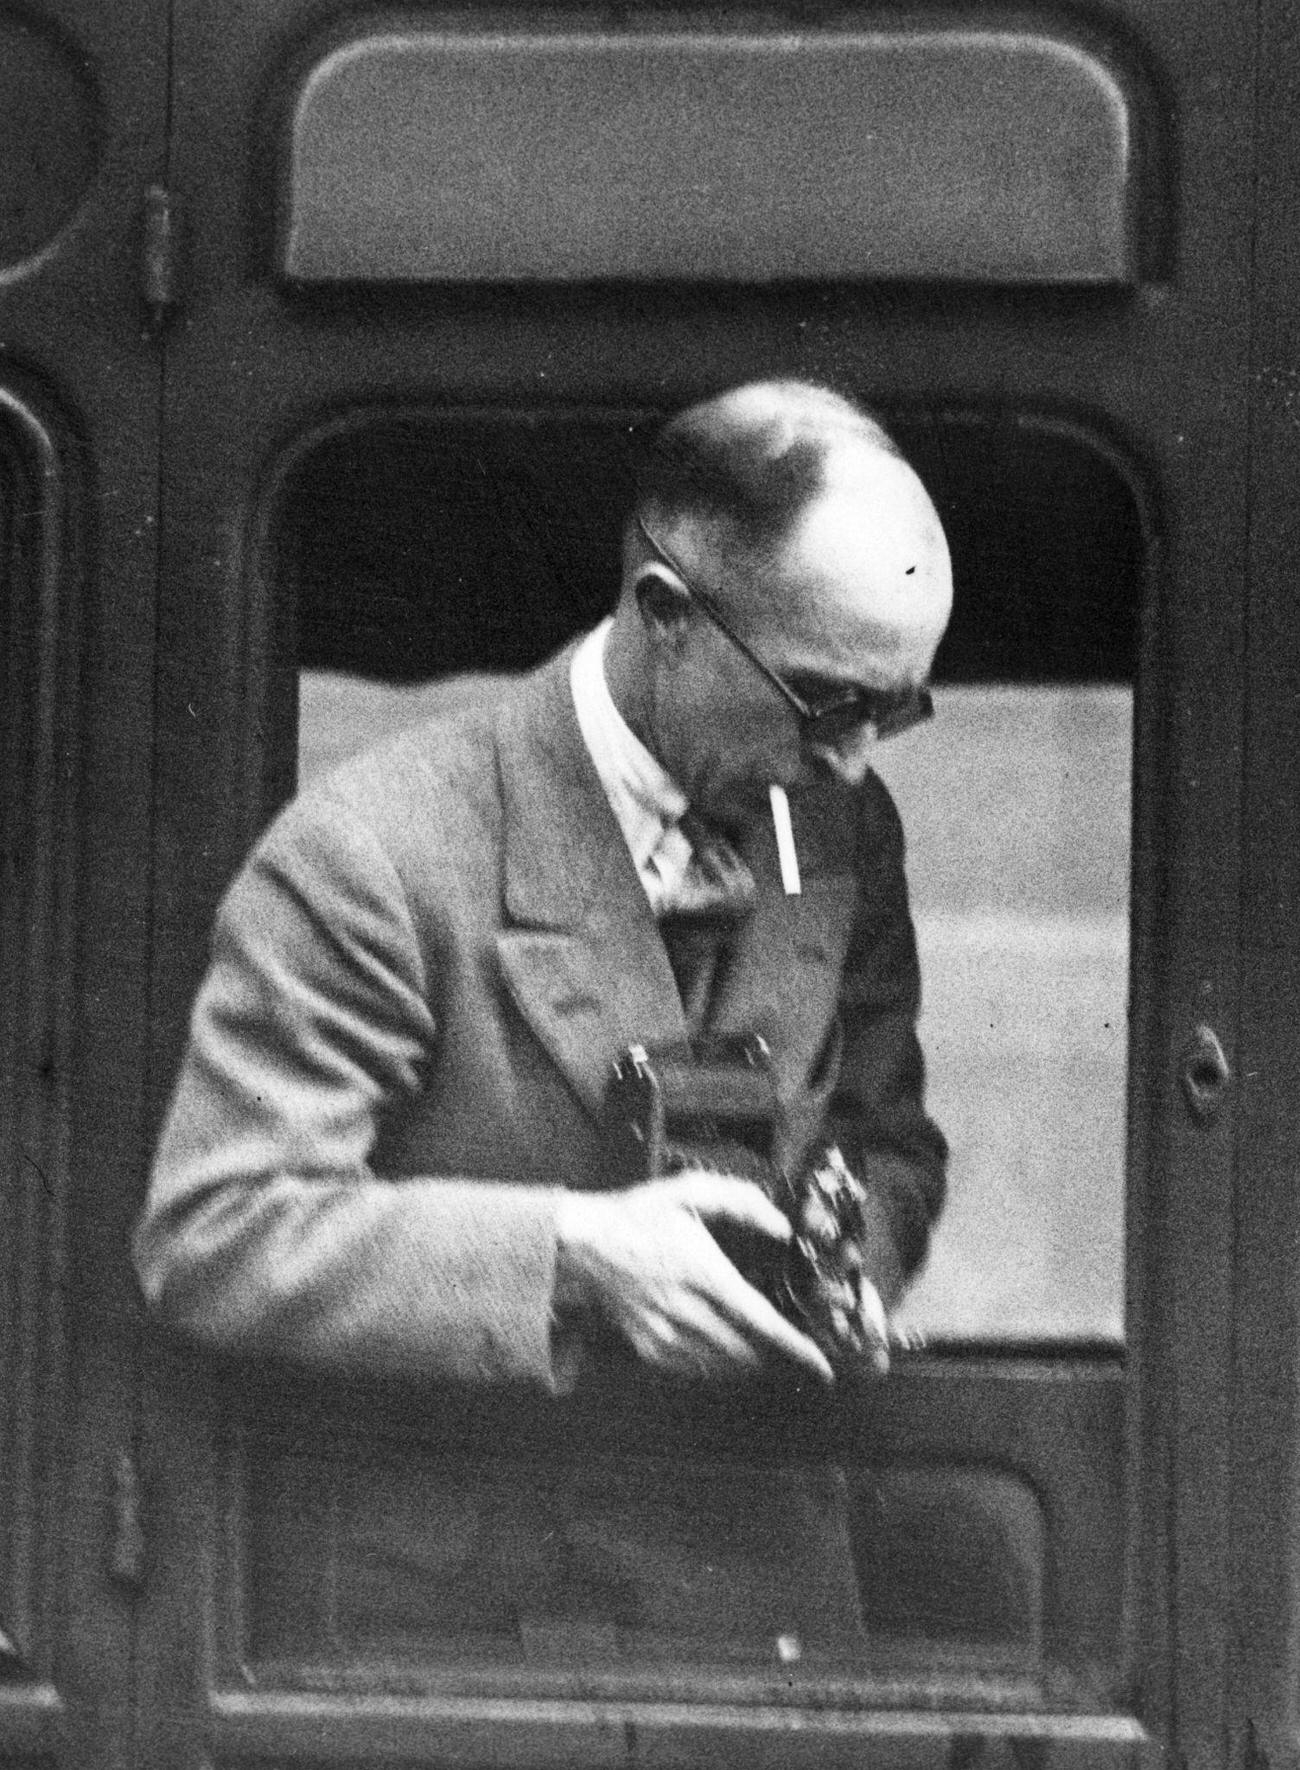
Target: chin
739, 807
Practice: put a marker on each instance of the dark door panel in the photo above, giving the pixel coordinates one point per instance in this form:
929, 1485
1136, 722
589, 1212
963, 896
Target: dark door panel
82, 111
945, 1534
39, 649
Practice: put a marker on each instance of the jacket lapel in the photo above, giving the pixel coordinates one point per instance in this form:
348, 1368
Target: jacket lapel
783, 980
582, 956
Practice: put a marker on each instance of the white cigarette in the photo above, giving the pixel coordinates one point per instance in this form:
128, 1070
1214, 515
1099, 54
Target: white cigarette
785, 840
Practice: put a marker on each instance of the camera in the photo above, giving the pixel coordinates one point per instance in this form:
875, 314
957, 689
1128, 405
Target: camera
711, 1104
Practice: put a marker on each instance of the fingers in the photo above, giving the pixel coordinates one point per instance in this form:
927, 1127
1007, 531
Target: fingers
697, 1343
782, 1335
730, 1297
761, 1323
645, 1260
700, 1343
712, 1196
874, 1325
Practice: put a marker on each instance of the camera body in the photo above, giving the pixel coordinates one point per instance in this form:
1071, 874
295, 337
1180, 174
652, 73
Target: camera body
711, 1103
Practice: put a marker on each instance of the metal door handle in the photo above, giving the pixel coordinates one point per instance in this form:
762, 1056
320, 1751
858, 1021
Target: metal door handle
159, 256
1205, 1074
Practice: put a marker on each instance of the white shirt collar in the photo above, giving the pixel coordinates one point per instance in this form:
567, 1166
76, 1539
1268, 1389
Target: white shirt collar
644, 798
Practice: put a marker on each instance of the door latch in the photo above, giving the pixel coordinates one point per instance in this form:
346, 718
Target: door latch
159, 256
1205, 1074
126, 1551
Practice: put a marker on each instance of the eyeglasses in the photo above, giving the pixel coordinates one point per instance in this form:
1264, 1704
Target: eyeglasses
831, 718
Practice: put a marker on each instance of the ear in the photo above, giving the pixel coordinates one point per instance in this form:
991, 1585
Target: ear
664, 604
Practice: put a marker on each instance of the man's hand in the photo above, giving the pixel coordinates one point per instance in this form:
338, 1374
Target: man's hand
645, 1261
873, 1328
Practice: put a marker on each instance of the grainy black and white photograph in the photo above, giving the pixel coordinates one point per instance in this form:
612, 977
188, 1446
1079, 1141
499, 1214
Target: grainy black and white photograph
650, 914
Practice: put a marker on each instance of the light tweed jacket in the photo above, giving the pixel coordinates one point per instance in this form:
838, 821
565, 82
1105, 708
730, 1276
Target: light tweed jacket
418, 985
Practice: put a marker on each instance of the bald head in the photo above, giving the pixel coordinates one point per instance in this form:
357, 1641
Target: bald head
782, 556
797, 509
862, 569
749, 460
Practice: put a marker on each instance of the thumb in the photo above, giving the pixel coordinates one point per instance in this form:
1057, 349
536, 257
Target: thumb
726, 1196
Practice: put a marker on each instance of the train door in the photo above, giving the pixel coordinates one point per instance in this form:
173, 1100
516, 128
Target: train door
1262, 1717
83, 97
436, 267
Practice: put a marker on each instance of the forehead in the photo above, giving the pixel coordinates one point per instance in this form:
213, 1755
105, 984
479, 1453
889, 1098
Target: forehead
861, 586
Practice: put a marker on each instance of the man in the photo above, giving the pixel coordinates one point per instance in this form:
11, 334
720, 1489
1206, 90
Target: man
384, 1151
384, 1154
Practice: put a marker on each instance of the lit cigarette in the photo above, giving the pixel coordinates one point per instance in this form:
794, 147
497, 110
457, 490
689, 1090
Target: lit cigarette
785, 840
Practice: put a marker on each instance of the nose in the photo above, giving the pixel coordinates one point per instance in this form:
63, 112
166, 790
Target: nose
850, 759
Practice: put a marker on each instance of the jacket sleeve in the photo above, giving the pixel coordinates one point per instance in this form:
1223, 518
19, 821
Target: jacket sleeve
265, 1230
877, 1110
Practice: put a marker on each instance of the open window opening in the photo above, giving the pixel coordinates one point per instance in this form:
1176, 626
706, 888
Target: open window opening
423, 552
960, 1538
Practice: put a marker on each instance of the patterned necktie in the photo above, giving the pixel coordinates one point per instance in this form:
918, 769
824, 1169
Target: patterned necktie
716, 882
715, 891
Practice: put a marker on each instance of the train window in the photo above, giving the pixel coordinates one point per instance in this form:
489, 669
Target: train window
430, 551
437, 155
961, 1538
